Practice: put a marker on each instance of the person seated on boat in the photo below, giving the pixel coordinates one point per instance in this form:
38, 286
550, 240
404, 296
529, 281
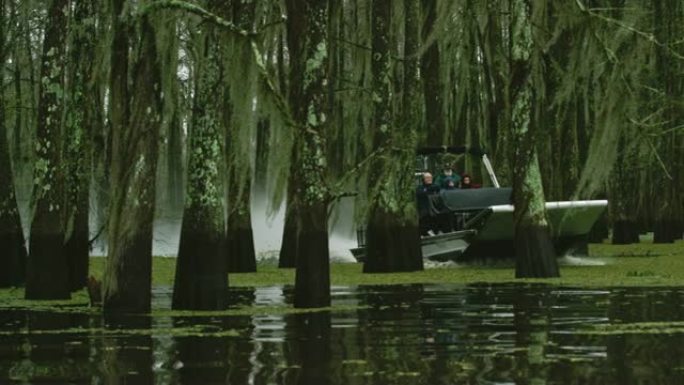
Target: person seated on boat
427, 187
448, 179
467, 182
424, 190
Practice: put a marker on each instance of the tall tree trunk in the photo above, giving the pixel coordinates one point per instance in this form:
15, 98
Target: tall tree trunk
47, 272
392, 236
201, 277
135, 119
81, 117
307, 43
668, 17
430, 70
535, 255
240, 238
13, 256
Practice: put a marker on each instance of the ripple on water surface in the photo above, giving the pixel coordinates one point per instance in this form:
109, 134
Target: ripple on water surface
410, 334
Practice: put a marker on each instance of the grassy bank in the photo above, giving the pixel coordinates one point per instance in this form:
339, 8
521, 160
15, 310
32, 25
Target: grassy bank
623, 265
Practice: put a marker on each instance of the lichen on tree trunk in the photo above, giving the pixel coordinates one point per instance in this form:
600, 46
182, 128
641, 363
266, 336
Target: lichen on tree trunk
47, 270
308, 101
201, 276
81, 115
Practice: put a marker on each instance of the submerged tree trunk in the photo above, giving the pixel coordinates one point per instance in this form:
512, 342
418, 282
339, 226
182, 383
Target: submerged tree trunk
81, 117
201, 277
13, 255
392, 236
47, 272
239, 234
135, 119
240, 237
307, 42
535, 255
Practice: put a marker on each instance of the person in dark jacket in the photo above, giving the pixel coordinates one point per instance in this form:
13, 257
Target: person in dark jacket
427, 186
426, 219
448, 179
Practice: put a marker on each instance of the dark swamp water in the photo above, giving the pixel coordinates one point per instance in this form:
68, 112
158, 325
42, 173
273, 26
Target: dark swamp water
418, 334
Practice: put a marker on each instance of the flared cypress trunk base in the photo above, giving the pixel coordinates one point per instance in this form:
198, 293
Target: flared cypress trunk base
130, 291
625, 232
312, 278
13, 259
665, 231
241, 254
201, 278
535, 256
47, 271
77, 252
288, 249
392, 246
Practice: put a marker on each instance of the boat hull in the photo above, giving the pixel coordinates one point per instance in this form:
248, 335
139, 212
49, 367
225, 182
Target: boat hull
440, 247
569, 223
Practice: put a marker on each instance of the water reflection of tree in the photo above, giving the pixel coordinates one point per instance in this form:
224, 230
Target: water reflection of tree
391, 334
202, 359
309, 336
532, 320
48, 352
212, 359
126, 358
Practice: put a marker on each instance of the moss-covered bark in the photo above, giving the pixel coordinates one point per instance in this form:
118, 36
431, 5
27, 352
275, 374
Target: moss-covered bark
535, 255
81, 117
201, 276
135, 120
47, 271
308, 97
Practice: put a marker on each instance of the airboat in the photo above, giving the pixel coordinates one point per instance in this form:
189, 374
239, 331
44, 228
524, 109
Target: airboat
473, 224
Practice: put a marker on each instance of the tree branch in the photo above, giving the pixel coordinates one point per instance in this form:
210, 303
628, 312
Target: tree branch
648, 36
194, 9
